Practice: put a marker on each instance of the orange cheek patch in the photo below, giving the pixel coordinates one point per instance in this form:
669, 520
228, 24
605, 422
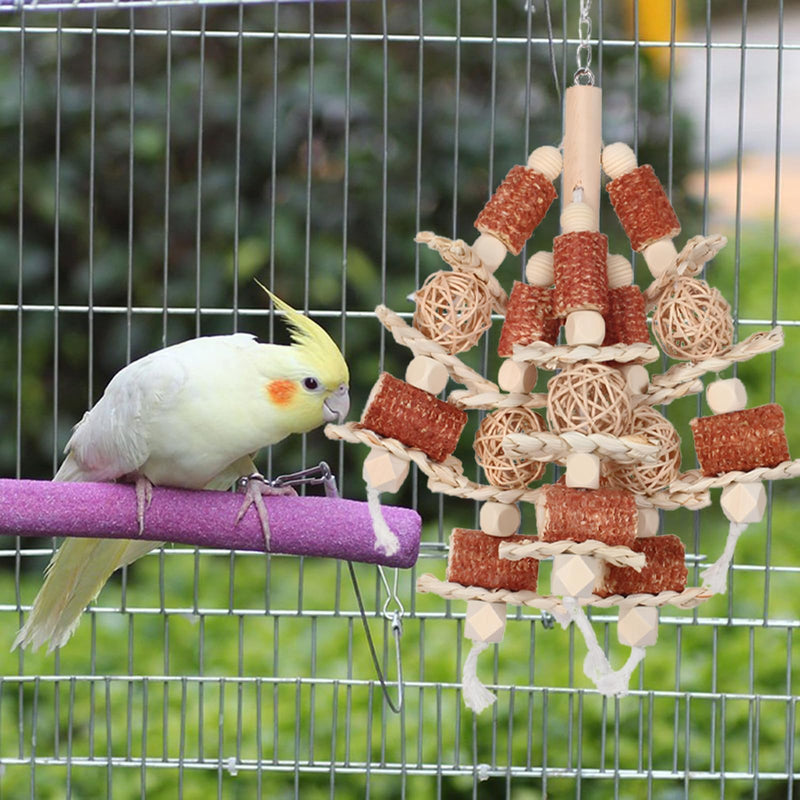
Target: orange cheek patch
281, 392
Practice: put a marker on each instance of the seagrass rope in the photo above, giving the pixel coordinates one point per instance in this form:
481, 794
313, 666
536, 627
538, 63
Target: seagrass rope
757, 344
613, 554
448, 477
688, 598
489, 401
546, 446
460, 257
420, 345
552, 357
694, 480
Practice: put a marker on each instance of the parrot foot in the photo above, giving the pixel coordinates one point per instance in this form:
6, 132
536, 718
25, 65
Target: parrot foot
144, 496
255, 488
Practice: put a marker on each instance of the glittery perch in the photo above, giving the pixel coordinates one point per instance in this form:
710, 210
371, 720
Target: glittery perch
310, 526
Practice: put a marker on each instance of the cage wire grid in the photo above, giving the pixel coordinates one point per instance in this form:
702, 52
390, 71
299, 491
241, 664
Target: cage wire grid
156, 157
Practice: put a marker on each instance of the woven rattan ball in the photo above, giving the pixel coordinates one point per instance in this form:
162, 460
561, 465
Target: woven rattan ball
502, 471
589, 398
453, 309
692, 320
649, 478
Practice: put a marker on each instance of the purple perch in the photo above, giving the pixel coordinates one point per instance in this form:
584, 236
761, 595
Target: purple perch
309, 526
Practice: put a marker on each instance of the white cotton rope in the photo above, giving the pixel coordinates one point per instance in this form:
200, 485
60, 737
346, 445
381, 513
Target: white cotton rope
384, 537
596, 666
477, 697
715, 578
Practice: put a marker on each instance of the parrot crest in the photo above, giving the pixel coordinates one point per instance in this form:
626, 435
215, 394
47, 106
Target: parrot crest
313, 344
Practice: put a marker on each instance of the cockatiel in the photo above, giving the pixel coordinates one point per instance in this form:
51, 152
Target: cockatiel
191, 416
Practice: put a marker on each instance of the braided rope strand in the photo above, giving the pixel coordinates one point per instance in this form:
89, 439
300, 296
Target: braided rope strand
420, 345
546, 446
613, 554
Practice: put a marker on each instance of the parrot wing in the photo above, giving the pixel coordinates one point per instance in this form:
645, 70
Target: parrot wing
112, 440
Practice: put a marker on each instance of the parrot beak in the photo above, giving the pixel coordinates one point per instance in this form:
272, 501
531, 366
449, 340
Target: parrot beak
335, 408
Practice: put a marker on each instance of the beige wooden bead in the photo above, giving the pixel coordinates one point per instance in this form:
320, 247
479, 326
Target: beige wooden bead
516, 377
577, 216
620, 271
574, 576
727, 395
647, 523
427, 374
583, 471
539, 269
546, 160
490, 250
585, 327
384, 471
618, 159
659, 255
485, 622
744, 502
638, 626
636, 376
500, 519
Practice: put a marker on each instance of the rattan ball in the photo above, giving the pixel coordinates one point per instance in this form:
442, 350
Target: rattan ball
453, 309
502, 471
649, 478
692, 320
589, 398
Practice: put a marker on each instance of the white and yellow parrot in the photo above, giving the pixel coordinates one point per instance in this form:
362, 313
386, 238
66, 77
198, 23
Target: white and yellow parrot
191, 416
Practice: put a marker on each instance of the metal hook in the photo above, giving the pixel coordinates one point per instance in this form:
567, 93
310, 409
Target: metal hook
312, 476
396, 622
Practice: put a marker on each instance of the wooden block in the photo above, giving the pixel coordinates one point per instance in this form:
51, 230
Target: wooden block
574, 576
490, 250
546, 160
485, 622
516, 377
618, 159
744, 502
384, 471
620, 271
585, 327
500, 519
647, 523
725, 396
539, 269
638, 626
427, 374
577, 217
582, 144
659, 255
583, 471
636, 376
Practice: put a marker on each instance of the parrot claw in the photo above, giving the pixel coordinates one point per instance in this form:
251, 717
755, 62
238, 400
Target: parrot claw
144, 496
255, 487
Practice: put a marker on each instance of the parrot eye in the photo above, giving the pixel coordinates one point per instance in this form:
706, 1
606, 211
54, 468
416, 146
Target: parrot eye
312, 384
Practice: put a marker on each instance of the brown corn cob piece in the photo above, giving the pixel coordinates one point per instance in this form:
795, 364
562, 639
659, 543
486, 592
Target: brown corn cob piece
643, 207
664, 570
517, 207
474, 561
579, 264
741, 440
397, 410
529, 318
607, 515
626, 322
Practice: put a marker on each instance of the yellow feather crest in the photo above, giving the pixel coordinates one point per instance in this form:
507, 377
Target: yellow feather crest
315, 346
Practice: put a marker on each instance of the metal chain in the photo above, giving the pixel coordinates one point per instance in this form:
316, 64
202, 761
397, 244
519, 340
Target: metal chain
584, 75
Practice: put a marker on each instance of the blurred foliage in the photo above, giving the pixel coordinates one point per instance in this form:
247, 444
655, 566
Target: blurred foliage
159, 175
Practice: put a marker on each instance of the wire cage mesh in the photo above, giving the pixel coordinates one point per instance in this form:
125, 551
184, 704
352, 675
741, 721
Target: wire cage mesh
158, 156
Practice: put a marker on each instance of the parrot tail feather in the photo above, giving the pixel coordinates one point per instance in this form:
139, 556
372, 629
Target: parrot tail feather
74, 577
